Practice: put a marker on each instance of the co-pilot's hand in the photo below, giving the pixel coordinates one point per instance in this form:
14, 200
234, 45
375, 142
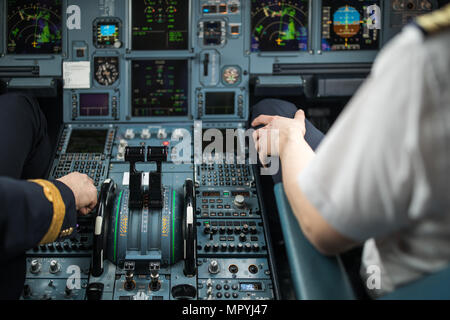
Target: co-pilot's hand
84, 191
273, 137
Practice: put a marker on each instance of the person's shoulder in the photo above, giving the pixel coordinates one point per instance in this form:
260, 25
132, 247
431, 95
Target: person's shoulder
434, 23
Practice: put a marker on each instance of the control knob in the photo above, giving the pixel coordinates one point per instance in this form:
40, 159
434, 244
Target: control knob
242, 237
145, 134
213, 267
54, 267
177, 134
162, 134
239, 201
35, 267
129, 134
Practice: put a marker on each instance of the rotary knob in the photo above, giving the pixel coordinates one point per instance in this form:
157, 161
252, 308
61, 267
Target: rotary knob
145, 134
213, 267
162, 134
239, 201
54, 266
35, 267
129, 134
177, 134
242, 237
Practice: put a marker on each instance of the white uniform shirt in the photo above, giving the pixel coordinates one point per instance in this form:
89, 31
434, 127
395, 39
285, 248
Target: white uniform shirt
382, 173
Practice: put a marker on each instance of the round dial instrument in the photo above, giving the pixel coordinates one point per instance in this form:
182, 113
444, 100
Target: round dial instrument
231, 75
34, 27
106, 71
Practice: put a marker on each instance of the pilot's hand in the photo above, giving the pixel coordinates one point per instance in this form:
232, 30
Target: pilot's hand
84, 191
274, 136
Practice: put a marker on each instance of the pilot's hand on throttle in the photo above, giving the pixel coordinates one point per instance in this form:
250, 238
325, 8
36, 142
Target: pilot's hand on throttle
271, 139
84, 191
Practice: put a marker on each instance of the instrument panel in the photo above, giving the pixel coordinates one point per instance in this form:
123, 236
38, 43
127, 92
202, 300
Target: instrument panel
137, 79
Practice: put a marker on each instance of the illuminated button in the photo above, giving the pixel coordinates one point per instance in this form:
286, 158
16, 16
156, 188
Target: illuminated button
166, 143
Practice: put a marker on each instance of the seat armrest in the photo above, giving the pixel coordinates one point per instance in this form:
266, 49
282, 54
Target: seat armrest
314, 276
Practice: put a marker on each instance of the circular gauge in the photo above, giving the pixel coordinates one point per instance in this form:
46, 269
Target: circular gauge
34, 27
279, 25
231, 75
346, 22
106, 71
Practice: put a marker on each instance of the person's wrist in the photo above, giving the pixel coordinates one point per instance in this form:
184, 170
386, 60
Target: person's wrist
292, 142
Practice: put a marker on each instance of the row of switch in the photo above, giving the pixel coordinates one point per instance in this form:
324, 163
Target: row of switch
63, 247
248, 247
146, 134
230, 230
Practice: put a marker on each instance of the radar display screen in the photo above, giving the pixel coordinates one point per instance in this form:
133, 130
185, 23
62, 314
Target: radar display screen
160, 24
34, 27
351, 25
160, 88
87, 141
219, 103
279, 25
94, 104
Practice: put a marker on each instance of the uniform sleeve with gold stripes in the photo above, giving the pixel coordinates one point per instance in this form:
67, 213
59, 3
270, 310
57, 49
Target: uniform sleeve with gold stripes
32, 213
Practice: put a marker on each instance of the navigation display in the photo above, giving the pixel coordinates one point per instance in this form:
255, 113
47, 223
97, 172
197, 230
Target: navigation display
87, 141
34, 27
279, 25
351, 25
160, 24
159, 88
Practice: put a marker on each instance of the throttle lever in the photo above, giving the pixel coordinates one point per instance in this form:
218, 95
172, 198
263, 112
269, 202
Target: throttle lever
105, 201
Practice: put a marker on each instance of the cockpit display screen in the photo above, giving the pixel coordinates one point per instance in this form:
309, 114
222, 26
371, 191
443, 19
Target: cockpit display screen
34, 27
160, 24
87, 141
159, 88
279, 25
351, 25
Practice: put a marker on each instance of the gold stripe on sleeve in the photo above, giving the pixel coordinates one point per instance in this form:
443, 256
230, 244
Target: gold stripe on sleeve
53, 195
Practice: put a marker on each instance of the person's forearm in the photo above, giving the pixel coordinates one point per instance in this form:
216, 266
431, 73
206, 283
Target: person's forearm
295, 157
